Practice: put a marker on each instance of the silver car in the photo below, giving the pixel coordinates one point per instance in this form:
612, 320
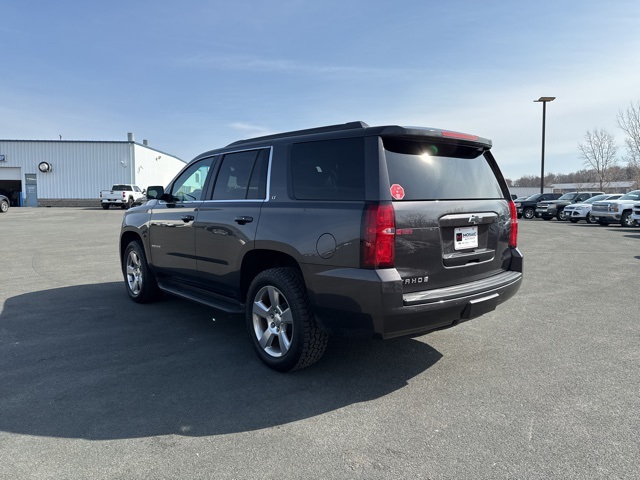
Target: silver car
582, 211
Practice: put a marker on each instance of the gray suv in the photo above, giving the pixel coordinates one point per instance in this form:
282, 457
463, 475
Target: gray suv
338, 230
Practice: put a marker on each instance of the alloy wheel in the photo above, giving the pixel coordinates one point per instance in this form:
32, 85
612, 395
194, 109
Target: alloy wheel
134, 272
272, 321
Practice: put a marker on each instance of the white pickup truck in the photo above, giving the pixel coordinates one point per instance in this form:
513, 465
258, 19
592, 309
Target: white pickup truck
121, 194
616, 211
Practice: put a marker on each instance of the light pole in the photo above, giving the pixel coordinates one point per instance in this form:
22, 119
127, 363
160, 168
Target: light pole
544, 101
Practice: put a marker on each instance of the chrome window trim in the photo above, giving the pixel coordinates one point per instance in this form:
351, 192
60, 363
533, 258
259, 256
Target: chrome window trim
243, 200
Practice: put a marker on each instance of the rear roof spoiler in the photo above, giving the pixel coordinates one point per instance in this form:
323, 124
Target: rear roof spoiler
430, 133
387, 130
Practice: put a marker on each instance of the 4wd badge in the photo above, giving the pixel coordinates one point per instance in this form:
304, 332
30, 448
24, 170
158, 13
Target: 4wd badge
397, 192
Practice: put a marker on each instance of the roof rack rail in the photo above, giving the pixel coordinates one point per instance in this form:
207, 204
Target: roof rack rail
309, 131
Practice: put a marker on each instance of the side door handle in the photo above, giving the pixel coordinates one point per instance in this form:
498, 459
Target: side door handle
243, 220
187, 218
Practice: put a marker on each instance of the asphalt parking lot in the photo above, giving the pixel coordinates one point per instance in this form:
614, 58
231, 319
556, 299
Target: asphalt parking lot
93, 385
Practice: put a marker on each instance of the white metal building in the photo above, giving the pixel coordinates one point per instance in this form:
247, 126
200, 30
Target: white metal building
528, 191
607, 187
72, 173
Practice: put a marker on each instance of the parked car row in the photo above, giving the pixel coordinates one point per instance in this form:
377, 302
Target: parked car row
592, 207
555, 208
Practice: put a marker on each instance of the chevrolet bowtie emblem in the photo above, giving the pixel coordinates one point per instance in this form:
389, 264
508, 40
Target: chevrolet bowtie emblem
475, 219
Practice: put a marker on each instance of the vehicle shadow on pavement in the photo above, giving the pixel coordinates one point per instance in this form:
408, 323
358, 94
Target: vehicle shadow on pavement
86, 362
632, 234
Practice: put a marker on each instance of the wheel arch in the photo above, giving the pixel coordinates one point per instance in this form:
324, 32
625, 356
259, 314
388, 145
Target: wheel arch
259, 260
626, 215
126, 238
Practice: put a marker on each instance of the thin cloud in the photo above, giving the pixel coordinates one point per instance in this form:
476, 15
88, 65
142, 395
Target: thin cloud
245, 63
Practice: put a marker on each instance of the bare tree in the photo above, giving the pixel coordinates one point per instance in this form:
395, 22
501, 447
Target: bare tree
582, 179
527, 181
629, 123
599, 152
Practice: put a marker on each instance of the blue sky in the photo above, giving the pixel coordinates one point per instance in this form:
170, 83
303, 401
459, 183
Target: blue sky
194, 75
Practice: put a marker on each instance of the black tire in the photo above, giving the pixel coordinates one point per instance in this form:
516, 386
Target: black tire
561, 216
105, 206
573, 220
129, 203
283, 331
589, 219
139, 281
4, 206
626, 220
528, 213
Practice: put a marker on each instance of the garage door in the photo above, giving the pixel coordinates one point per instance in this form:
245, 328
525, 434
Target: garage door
10, 173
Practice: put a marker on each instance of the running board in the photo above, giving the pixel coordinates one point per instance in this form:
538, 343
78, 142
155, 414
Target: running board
201, 296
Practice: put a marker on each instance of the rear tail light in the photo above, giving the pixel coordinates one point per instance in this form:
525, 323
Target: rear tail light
124, 195
513, 234
379, 236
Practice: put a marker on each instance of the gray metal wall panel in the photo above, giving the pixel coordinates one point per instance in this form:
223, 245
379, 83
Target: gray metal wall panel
82, 169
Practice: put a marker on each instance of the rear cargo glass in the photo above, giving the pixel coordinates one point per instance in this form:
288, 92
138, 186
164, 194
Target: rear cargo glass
328, 169
427, 171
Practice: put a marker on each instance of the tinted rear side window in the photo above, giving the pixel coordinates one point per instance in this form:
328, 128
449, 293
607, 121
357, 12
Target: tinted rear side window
242, 175
328, 169
439, 171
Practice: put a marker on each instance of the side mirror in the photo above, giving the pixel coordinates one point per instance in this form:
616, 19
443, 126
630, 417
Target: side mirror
154, 193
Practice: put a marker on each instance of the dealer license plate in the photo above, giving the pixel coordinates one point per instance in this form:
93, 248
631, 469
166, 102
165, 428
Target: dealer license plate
465, 237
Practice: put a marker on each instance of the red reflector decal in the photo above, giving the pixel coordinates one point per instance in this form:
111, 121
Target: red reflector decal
463, 136
397, 192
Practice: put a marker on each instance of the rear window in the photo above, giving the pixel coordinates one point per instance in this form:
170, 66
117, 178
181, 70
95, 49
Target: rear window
328, 169
422, 171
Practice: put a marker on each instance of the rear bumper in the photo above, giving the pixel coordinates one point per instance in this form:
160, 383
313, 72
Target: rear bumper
425, 311
371, 302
